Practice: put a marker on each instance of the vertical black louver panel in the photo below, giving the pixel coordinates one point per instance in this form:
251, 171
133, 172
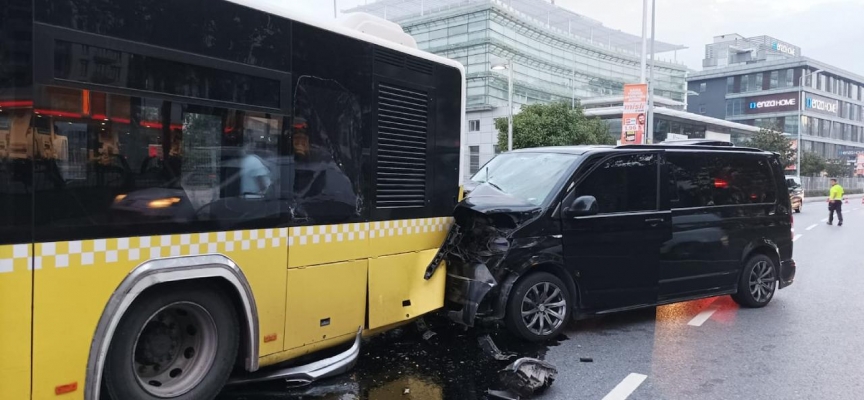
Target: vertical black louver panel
403, 120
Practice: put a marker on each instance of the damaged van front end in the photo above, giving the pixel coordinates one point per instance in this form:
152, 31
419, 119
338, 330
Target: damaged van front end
492, 242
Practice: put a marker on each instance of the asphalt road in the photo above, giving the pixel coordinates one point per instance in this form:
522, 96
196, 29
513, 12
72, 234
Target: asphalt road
807, 344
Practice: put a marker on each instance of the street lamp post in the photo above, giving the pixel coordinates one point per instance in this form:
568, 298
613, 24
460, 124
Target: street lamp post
649, 126
509, 67
799, 145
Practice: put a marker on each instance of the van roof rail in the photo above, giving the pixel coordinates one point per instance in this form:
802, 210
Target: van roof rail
690, 146
698, 142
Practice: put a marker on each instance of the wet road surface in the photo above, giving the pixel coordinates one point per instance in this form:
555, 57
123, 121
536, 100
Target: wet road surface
806, 344
400, 364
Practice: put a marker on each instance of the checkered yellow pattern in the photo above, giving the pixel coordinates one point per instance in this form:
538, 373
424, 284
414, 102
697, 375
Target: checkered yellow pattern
342, 242
15, 258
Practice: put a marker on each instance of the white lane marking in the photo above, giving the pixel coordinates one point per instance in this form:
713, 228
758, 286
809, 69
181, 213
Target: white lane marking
812, 226
703, 316
626, 387
824, 220
797, 237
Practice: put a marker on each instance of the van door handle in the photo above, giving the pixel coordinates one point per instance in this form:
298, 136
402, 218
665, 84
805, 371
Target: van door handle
654, 221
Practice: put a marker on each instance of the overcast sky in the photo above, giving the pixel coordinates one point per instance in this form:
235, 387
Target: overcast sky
831, 31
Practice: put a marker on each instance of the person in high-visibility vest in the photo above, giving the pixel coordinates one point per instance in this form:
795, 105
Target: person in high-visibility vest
835, 203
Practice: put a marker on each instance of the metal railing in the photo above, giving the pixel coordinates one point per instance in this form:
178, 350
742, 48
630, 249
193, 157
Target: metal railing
820, 184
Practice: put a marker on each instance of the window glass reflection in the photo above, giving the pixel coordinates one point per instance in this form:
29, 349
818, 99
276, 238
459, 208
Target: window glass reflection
127, 165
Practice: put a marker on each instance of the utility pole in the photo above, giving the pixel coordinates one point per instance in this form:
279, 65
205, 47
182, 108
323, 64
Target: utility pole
644, 39
649, 125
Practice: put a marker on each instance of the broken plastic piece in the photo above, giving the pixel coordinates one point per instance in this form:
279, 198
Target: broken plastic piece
491, 349
527, 376
502, 394
428, 335
586, 359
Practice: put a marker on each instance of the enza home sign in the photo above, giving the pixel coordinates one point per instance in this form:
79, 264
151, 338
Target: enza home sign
772, 103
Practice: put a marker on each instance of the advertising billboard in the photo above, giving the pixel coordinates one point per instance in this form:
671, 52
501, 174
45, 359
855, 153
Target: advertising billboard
821, 104
633, 120
771, 103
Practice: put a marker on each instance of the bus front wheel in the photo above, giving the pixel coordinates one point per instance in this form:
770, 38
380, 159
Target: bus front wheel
175, 342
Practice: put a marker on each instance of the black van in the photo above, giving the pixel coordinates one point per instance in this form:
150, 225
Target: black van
544, 235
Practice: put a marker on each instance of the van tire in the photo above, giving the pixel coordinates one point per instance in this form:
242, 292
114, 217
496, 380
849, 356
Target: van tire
758, 282
174, 342
555, 306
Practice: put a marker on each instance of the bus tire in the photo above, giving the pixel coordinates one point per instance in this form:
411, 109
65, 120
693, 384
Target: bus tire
174, 342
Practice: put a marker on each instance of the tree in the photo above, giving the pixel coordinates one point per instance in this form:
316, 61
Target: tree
812, 164
772, 139
839, 168
554, 124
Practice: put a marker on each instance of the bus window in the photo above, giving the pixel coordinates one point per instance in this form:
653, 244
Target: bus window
129, 165
327, 151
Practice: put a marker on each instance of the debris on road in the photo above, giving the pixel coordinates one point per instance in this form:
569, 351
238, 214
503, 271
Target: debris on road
586, 359
489, 347
425, 332
502, 394
527, 376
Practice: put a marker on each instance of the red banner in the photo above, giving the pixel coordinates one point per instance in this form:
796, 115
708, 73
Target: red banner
635, 106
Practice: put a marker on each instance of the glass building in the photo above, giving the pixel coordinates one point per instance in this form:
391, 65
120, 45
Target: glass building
764, 82
556, 55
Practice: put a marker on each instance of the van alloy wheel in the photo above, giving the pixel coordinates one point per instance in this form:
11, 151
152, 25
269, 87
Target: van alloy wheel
175, 349
543, 308
762, 281
757, 282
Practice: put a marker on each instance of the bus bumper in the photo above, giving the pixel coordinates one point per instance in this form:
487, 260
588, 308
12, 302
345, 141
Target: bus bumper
306, 374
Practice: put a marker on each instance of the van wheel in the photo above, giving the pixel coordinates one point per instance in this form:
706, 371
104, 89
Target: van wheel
798, 210
538, 308
758, 282
174, 342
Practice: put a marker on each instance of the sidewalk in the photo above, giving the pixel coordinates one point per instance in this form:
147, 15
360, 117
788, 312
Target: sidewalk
824, 199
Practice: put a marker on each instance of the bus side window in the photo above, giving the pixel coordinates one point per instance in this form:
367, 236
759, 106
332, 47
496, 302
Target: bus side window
327, 151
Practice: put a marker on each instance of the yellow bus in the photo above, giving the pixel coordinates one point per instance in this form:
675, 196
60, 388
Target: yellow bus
195, 191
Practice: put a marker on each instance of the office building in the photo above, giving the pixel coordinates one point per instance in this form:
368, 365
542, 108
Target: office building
671, 122
765, 82
556, 55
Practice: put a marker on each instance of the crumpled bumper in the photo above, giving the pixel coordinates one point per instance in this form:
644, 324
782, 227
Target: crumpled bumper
467, 287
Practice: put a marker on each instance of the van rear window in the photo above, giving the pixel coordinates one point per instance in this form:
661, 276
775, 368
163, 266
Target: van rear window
706, 180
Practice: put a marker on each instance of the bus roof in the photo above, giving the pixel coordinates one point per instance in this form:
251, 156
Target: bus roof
286, 10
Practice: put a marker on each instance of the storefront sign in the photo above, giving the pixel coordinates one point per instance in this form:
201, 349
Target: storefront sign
851, 152
772, 103
633, 120
821, 104
784, 48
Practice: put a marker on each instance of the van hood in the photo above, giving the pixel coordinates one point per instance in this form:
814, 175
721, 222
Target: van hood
507, 211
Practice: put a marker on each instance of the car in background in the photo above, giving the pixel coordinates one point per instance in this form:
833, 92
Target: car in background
796, 192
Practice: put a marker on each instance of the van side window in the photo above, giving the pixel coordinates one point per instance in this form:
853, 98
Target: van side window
706, 180
623, 184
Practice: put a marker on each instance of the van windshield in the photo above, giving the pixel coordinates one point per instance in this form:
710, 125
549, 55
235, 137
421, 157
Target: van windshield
529, 176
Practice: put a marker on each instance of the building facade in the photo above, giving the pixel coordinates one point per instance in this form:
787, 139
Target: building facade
671, 122
555, 54
769, 83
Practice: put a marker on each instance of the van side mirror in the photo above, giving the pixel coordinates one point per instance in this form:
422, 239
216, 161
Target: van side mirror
582, 207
